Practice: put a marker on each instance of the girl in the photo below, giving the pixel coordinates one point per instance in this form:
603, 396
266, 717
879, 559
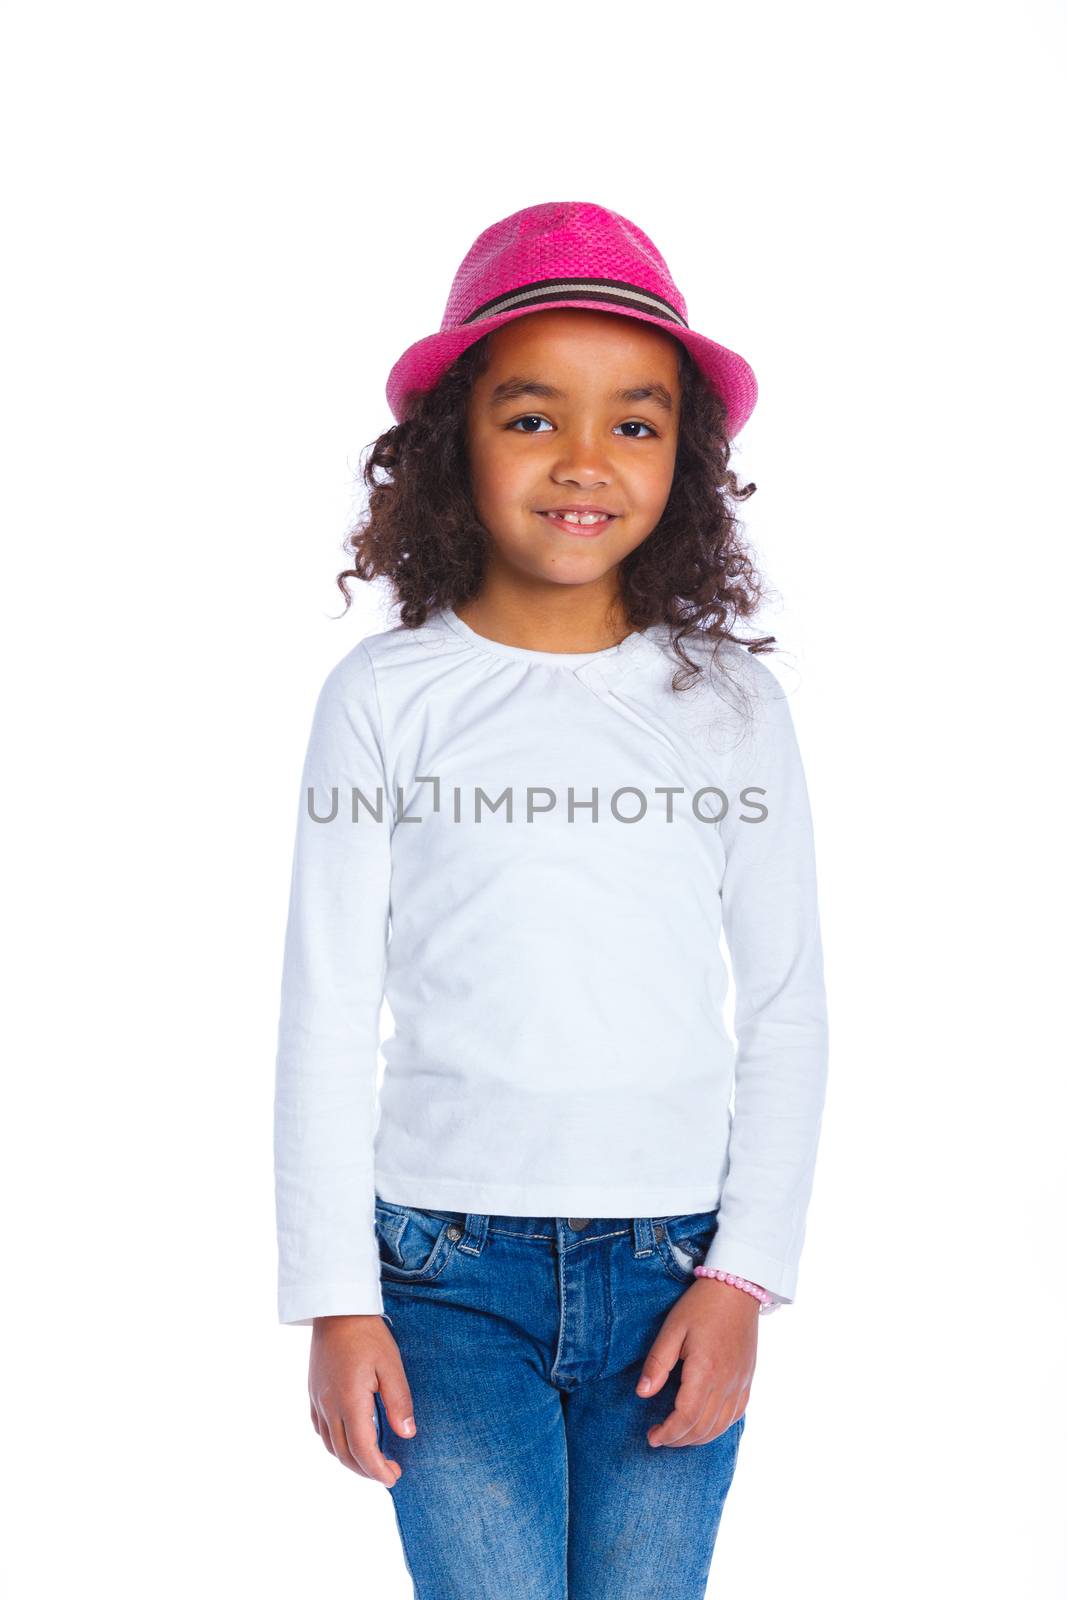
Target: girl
528, 811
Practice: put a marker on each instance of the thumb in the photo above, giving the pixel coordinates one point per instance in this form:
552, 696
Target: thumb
396, 1398
659, 1364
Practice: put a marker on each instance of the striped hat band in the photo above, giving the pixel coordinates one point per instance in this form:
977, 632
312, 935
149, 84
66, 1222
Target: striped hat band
545, 290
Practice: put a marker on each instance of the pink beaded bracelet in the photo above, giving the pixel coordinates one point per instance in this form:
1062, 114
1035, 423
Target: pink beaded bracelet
739, 1283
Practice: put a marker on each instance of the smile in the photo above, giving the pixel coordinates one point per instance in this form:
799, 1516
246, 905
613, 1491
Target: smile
585, 524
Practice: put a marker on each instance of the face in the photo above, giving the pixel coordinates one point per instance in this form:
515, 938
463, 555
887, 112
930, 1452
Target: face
576, 409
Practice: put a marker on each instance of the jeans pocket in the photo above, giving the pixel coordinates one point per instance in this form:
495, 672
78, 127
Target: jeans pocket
685, 1240
413, 1245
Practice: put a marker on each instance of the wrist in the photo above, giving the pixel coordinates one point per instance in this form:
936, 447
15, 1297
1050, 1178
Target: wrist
752, 1291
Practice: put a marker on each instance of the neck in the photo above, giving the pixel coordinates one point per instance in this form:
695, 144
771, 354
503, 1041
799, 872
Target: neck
556, 617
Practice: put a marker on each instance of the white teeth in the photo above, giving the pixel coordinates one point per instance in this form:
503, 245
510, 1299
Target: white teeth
586, 520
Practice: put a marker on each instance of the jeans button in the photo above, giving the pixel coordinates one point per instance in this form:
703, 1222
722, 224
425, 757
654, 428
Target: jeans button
578, 1223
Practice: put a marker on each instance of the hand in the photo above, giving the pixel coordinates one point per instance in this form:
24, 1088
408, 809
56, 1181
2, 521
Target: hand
713, 1328
353, 1358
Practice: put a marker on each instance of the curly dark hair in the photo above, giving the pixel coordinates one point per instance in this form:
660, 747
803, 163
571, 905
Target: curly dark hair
421, 532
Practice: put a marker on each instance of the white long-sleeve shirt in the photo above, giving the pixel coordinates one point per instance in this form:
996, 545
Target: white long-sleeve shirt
545, 851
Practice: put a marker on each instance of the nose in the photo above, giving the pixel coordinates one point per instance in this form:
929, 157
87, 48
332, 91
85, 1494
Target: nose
582, 464
580, 477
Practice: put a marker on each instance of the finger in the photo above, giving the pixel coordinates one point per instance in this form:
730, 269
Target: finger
335, 1438
708, 1430
719, 1428
361, 1443
737, 1411
695, 1405
660, 1362
396, 1398
322, 1427
318, 1422
718, 1420
682, 1431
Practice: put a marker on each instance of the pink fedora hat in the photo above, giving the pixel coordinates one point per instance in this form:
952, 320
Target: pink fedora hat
565, 253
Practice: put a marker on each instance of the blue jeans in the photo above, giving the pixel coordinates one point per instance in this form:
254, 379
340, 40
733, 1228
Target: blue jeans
530, 1476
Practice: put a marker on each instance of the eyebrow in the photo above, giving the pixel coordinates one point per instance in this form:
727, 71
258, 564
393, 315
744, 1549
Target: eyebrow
512, 388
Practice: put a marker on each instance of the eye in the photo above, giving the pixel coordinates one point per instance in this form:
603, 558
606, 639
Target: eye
516, 426
530, 418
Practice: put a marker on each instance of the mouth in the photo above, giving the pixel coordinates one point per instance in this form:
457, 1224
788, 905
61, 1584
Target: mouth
580, 524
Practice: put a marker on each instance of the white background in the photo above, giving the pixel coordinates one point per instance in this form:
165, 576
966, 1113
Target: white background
225, 222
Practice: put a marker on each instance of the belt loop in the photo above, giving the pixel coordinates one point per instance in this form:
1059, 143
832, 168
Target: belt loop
474, 1235
642, 1232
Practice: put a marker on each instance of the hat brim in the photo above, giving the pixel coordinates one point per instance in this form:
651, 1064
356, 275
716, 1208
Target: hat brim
424, 362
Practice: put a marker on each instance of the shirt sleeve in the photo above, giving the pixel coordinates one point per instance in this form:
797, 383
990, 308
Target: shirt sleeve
333, 976
771, 922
